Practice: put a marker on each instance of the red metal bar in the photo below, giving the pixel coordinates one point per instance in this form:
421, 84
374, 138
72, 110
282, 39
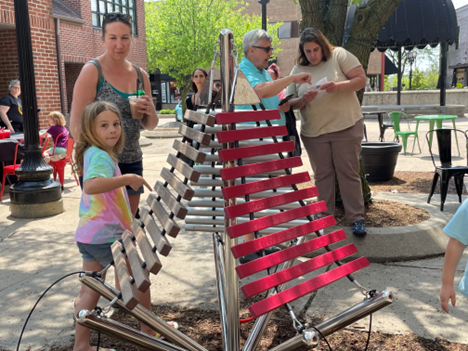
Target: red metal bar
246, 116
256, 150
251, 133
282, 236
295, 292
269, 202
275, 219
259, 168
263, 185
244, 270
296, 271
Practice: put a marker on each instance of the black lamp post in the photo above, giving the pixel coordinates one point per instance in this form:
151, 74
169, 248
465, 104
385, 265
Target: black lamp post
264, 14
412, 59
35, 194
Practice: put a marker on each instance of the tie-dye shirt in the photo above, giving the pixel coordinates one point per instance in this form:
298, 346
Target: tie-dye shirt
103, 217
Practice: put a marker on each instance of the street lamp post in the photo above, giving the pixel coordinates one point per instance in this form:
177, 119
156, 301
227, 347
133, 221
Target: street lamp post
35, 194
412, 59
264, 14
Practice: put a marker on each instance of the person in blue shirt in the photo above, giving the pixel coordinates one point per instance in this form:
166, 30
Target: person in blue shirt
258, 49
456, 230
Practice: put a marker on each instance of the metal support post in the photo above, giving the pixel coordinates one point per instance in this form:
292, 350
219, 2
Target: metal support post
231, 280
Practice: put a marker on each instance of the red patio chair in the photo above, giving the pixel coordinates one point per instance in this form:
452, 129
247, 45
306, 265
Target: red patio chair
59, 166
10, 169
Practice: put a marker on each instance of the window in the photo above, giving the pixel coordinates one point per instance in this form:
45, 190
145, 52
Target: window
289, 30
100, 7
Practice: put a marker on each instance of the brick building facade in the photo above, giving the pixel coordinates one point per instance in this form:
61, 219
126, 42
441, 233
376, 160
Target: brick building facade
289, 32
290, 14
79, 40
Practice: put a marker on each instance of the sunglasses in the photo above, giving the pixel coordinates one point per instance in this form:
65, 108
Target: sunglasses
117, 16
267, 49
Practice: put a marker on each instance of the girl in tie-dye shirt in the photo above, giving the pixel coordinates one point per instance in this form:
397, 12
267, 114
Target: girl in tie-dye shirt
104, 207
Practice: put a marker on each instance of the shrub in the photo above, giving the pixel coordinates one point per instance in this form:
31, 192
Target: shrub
167, 112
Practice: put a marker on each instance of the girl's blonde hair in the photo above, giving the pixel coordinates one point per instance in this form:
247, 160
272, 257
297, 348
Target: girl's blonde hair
88, 136
57, 117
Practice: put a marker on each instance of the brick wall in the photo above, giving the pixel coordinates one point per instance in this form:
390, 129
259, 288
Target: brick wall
45, 58
8, 60
280, 11
80, 43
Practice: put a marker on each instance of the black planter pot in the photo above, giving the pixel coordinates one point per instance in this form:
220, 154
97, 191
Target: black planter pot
379, 160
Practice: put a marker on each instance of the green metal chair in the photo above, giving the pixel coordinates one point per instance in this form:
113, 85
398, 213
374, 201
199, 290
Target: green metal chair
396, 117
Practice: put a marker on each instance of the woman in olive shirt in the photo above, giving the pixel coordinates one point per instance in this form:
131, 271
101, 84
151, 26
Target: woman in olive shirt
332, 123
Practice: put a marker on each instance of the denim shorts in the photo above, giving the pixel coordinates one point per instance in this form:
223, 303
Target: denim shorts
135, 168
132, 168
96, 252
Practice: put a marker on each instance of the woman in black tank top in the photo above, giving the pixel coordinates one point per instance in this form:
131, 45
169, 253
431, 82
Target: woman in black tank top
112, 78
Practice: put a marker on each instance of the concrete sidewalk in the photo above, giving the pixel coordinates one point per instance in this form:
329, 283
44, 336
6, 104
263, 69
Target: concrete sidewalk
35, 253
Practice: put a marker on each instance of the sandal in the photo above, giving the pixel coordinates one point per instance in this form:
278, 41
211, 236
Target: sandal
175, 325
103, 349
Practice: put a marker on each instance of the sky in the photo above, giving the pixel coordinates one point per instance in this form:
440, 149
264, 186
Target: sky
459, 3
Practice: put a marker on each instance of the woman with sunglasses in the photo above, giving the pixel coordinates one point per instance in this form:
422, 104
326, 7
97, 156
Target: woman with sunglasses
117, 81
332, 125
112, 78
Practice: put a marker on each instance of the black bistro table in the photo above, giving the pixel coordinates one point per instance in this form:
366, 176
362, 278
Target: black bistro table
380, 117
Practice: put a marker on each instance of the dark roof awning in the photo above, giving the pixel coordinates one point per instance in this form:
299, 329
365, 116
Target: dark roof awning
459, 65
64, 11
390, 67
415, 23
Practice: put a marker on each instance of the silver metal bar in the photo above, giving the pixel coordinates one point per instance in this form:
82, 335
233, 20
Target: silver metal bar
215, 145
205, 181
221, 285
220, 221
219, 204
122, 332
215, 171
201, 212
232, 282
220, 229
261, 323
219, 194
143, 315
341, 320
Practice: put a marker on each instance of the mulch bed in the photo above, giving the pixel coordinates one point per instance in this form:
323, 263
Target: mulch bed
204, 327
382, 213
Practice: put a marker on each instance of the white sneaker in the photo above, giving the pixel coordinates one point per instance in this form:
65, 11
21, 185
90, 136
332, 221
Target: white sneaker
58, 157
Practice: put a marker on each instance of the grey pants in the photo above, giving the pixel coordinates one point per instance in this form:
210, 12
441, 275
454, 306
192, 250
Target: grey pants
338, 152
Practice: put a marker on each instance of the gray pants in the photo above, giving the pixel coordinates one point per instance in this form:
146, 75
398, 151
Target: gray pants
338, 152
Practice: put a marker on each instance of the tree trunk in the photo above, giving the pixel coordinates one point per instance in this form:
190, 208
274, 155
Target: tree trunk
330, 17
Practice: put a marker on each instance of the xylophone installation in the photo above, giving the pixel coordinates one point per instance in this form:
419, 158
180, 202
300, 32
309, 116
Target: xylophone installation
253, 191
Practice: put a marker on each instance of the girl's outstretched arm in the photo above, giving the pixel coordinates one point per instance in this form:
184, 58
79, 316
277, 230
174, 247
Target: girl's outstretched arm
453, 255
101, 185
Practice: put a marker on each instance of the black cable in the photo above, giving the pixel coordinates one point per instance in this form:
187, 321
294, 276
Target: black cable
98, 341
323, 337
370, 328
37, 302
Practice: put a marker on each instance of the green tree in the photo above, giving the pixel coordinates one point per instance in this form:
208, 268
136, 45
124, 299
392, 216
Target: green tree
180, 34
330, 15
418, 79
